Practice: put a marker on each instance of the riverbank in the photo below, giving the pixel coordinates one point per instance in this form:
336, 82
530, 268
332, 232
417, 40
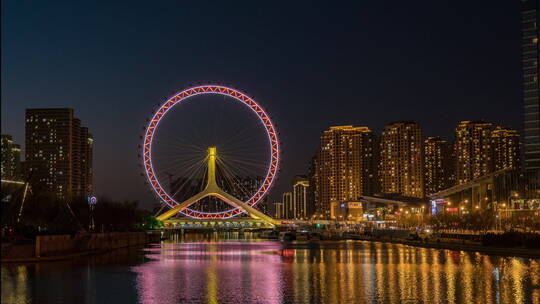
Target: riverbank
501, 251
46, 248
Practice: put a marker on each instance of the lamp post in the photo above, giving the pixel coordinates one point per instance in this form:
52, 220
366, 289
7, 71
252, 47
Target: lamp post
92, 201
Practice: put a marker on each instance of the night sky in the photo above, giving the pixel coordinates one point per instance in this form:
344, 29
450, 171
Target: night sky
310, 66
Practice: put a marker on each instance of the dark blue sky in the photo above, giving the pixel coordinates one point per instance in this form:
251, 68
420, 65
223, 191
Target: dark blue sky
310, 65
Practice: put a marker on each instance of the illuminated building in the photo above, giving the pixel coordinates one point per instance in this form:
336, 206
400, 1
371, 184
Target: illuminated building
530, 69
507, 189
347, 211
346, 166
437, 168
472, 149
58, 152
86, 152
300, 197
505, 148
401, 163
278, 210
11, 159
312, 190
287, 200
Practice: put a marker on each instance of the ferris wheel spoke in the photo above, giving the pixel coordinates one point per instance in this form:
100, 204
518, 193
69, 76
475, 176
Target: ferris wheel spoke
195, 171
181, 167
248, 163
179, 159
234, 137
234, 181
240, 144
253, 153
178, 142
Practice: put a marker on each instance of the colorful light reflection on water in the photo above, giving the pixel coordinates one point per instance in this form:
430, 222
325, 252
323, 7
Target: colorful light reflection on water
202, 269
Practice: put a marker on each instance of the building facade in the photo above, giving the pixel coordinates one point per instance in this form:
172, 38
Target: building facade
401, 159
437, 165
505, 148
314, 207
530, 22
87, 150
56, 159
11, 159
472, 150
346, 166
287, 201
301, 197
278, 210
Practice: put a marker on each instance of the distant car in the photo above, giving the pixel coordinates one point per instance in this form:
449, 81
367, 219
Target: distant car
425, 234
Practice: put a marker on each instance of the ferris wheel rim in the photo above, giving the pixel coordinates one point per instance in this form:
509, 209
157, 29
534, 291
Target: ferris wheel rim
237, 95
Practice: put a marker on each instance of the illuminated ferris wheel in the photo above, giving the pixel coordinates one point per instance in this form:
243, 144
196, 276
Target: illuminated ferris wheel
210, 152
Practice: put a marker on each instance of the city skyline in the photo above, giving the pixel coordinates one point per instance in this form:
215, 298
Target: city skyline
260, 152
104, 108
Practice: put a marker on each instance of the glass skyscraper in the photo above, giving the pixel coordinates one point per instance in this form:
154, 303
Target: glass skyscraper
531, 91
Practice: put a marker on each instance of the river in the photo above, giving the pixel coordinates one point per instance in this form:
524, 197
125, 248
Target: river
212, 268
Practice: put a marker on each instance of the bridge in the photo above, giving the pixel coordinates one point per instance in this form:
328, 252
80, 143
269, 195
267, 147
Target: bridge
218, 224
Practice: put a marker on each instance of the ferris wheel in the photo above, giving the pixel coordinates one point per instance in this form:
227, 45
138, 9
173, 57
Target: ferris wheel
210, 152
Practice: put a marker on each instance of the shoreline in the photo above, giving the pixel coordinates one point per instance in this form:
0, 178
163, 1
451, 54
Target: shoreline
55, 257
49, 248
500, 251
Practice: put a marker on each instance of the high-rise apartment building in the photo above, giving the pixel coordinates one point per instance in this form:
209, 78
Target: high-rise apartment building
287, 200
530, 23
437, 165
87, 174
278, 210
505, 148
472, 150
11, 159
314, 207
401, 159
346, 165
301, 201
58, 152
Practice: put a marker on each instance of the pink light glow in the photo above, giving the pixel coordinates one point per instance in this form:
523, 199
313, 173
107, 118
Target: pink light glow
184, 271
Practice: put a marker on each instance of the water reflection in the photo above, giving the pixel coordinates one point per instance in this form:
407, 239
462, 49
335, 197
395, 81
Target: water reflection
210, 269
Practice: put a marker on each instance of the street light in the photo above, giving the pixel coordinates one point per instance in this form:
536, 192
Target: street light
92, 201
